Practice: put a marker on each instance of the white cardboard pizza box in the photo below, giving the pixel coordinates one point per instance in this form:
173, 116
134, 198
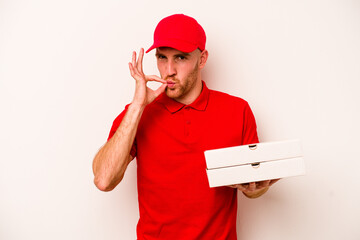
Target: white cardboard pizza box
254, 162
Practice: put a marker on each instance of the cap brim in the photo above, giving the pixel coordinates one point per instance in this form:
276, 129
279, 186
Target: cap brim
174, 43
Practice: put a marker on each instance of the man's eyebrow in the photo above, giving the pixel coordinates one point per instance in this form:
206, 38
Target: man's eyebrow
184, 54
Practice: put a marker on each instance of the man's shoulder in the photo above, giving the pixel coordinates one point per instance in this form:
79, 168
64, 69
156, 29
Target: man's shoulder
225, 98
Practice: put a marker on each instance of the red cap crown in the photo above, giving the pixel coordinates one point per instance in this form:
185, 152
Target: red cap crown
181, 32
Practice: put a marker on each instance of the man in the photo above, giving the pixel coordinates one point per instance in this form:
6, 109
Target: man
168, 130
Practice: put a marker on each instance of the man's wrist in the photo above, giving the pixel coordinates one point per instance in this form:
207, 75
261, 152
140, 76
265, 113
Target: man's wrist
136, 106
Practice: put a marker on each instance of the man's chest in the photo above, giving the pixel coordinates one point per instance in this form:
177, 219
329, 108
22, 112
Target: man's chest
189, 130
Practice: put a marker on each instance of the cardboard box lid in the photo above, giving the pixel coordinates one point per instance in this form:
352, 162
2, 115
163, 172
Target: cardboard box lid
246, 173
252, 153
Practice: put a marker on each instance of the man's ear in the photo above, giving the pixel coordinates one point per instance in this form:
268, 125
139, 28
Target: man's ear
203, 58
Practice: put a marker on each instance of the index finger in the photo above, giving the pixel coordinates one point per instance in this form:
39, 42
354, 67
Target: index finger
154, 78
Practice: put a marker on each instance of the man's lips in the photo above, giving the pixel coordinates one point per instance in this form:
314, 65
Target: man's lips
170, 84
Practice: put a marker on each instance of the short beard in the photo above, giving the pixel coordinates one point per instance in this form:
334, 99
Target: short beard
189, 84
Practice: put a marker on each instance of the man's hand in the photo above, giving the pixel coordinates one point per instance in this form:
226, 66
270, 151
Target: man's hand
143, 94
255, 189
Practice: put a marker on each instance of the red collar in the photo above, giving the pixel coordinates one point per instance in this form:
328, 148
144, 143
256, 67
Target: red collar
199, 104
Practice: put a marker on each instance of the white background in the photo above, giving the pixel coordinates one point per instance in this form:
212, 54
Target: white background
64, 78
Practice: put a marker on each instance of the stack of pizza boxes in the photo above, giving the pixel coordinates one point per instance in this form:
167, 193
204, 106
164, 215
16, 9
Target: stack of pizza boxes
254, 162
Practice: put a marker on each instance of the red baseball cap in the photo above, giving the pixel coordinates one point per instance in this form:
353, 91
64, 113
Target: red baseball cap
181, 32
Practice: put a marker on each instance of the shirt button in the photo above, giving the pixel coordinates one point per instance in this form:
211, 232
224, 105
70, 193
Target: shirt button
187, 108
188, 122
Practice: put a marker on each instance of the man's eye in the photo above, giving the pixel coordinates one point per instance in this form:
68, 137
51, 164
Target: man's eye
161, 57
181, 57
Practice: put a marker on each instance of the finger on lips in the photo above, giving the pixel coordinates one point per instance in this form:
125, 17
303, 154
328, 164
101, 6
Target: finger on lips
154, 78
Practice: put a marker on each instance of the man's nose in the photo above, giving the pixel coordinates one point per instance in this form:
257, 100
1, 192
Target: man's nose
170, 69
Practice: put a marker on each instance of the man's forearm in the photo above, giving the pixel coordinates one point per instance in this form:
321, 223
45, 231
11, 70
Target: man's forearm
111, 161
